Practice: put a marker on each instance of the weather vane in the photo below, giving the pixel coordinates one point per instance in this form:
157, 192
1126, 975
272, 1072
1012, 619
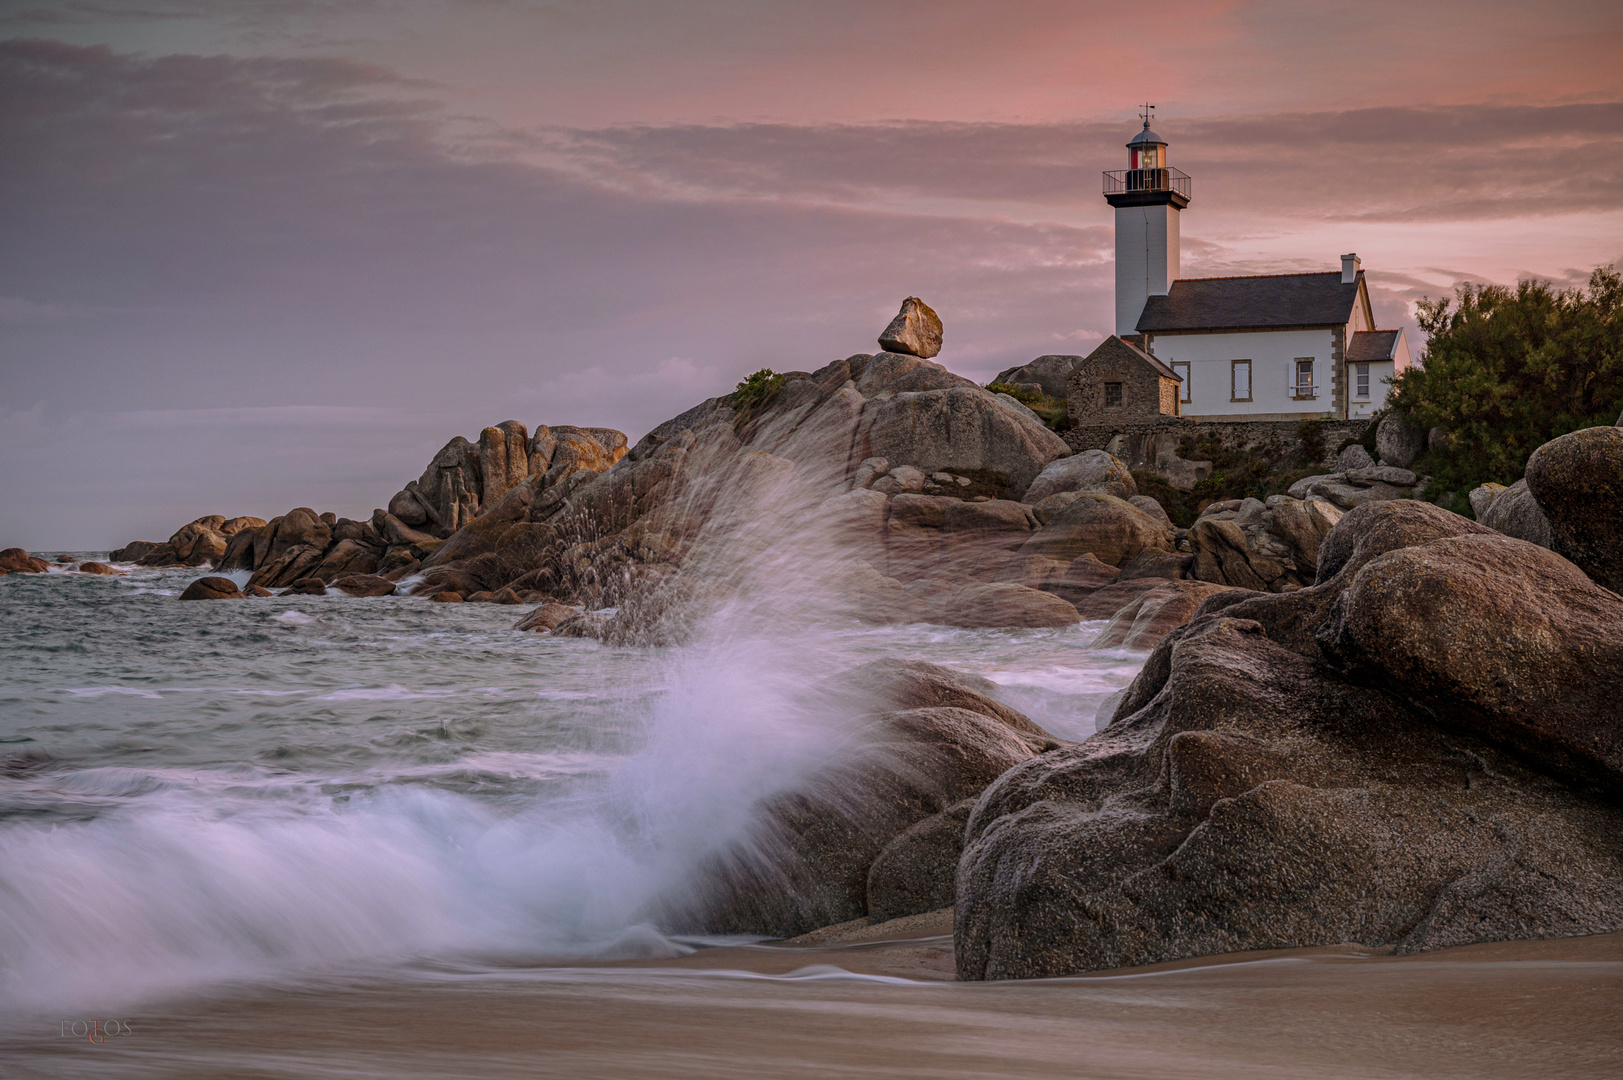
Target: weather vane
1148, 114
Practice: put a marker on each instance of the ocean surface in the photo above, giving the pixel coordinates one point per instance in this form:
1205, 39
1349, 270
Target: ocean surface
200, 793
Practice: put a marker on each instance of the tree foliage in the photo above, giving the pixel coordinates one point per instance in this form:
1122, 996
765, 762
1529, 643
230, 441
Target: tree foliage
1507, 370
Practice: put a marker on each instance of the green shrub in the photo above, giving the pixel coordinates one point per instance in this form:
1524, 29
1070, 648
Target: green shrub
1019, 393
756, 391
1507, 370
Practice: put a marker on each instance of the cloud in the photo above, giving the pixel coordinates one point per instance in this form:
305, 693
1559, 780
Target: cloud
1386, 164
237, 284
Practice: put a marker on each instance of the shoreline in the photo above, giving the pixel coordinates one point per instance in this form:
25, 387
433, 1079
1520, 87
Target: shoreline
872, 1001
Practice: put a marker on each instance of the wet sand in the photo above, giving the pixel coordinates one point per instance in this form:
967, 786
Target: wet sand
880, 1002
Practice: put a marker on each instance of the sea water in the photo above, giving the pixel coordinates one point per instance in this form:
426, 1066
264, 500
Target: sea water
231, 790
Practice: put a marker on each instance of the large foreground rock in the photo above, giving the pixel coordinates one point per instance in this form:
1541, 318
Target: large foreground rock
1578, 483
1444, 788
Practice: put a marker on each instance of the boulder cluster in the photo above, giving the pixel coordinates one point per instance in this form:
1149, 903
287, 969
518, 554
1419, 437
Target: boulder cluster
1420, 749
1364, 718
18, 561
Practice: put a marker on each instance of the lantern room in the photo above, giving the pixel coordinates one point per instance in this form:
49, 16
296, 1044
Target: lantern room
1147, 150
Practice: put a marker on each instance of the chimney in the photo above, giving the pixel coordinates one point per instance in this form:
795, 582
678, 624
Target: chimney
1350, 265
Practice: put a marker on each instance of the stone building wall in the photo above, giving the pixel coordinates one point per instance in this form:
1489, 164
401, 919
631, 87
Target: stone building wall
1146, 394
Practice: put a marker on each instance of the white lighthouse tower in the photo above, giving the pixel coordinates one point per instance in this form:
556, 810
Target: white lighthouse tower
1147, 196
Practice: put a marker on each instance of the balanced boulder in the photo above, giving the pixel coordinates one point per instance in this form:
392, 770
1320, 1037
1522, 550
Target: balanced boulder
915, 331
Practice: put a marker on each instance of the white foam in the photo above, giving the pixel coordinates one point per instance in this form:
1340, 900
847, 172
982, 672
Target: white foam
100, 691
292, 618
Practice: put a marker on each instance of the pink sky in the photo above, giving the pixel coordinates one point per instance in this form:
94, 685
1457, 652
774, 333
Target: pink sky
276, 252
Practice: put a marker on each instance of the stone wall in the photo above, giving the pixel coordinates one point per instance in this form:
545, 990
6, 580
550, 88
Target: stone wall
1231, 433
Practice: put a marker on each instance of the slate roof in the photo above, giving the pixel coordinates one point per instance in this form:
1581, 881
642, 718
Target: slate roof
1234, 303
1370, 346
1114, 343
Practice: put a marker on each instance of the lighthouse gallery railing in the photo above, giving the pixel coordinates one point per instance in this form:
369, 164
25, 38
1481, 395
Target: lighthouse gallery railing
1120, 181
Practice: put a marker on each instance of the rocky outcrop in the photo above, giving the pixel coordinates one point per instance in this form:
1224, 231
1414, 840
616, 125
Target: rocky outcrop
810, 860
1515, 512
1578, 483
1413, 752
1048, 375
99, 568
134, 551
1006, 604
1398, 442
1482, 497
915, 331
18, 561
1356, 487
1111, 529
1090, 470
1354, 457
546, 617
957, 429
1154, 613
1159, 452
212, 588
363, 585
1272, 546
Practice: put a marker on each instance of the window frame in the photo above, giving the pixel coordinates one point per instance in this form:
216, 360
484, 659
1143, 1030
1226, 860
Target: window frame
1361, 381
1121, 395
1297, 386
1234, 382
1183, 385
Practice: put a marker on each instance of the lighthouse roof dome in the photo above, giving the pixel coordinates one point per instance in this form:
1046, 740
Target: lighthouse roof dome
1147, 138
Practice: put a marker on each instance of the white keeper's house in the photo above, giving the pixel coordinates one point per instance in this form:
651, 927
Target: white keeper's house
1266, 347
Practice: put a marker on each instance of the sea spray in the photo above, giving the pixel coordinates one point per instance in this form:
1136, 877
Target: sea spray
392, 780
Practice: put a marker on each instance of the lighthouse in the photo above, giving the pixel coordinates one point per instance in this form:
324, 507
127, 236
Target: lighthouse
1147, 195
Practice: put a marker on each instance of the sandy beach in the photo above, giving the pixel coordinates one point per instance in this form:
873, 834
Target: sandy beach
879, 1002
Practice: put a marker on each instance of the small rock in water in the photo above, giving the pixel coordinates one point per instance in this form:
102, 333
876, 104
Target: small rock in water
212, 588
483, 596
306, 586
18, 561
447, 597
546, 617
915, 331
363, 585
93, 567
257, 590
